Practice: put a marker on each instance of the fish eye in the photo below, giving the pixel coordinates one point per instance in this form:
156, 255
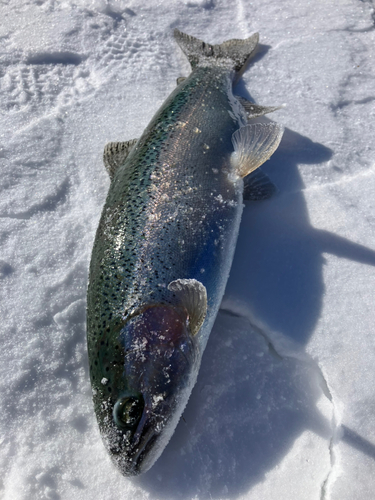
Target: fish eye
127, 412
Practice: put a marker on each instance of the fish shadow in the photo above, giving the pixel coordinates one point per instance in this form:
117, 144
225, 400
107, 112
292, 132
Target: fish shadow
279, 259
249, 405
246, 411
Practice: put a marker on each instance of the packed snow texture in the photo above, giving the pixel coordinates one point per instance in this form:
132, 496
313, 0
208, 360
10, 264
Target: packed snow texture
285, 400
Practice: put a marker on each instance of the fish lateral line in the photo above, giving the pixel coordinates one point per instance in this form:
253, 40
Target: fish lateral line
164, 247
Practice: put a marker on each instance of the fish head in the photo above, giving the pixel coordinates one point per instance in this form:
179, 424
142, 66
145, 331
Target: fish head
160, 365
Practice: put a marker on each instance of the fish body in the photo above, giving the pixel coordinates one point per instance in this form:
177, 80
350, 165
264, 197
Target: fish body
164, 248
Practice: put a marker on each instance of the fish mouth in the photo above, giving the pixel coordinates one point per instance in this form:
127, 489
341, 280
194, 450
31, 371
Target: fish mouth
137, 456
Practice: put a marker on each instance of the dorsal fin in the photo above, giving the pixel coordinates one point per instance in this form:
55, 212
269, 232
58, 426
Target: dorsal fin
193, 297
115, 154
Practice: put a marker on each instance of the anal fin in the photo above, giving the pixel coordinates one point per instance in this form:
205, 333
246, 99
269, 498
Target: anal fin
114, 155
253, 145
193, 297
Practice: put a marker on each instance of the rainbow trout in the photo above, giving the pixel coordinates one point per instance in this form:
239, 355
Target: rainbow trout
164, 248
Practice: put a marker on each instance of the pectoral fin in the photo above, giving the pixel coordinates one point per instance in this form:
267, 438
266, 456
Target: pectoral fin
114, 155
181, 79
253, 145
255, 110
193, 296
258, 186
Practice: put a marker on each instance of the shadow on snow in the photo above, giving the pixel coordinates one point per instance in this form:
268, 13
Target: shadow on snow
250, 405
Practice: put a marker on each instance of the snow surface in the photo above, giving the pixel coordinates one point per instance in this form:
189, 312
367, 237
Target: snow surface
285, 401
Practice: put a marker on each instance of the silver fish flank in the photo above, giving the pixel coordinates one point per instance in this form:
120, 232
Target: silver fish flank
164, 248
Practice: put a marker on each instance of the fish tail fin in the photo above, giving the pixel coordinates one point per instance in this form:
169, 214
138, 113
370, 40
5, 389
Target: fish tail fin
232, 53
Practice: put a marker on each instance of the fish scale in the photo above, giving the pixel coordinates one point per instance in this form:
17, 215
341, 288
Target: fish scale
163, 252
152, 173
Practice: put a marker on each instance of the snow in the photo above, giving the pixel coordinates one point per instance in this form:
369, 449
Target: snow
285, 400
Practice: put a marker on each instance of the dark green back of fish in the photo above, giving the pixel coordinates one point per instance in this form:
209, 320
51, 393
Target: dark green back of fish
168, 213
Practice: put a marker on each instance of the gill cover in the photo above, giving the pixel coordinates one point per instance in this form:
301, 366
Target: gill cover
160, 366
